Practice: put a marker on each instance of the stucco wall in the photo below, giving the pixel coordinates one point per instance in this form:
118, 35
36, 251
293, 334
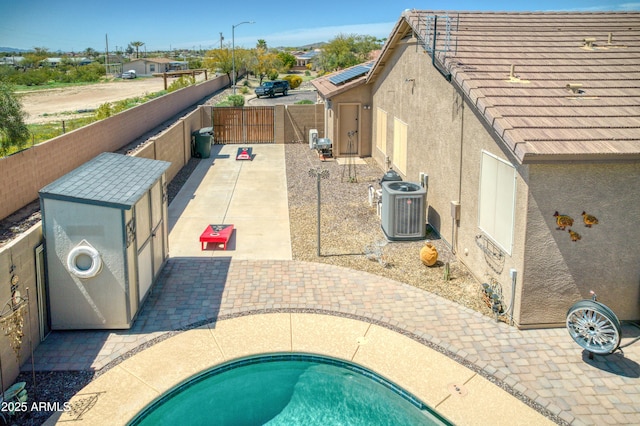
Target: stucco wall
606, 259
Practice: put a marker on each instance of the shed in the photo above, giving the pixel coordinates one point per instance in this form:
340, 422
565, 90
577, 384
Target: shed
105, 230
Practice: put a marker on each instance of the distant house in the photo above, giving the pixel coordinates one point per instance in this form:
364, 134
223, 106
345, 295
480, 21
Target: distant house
14, 61
149, 66
54, 62
513, 117
305, 58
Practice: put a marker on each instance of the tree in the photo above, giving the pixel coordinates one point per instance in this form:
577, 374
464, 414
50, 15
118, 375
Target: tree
13, 130
33, 59
287, 59
346, 50
137, 45
90, 52
219, 60
262, 45
264, 62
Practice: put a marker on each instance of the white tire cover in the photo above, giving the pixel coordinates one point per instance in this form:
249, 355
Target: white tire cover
86, 250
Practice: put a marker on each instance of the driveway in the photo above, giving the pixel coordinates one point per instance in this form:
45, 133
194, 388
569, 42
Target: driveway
293, 97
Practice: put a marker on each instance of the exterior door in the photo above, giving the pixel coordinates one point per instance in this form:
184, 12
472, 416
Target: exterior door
349, 130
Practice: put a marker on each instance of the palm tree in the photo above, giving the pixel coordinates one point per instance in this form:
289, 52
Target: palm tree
137, 45
90, 52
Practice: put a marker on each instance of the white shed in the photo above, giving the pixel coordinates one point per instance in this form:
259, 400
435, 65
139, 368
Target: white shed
105, 231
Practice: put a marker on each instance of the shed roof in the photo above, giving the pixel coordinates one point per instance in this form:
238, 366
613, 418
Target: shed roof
112, 180
575, 90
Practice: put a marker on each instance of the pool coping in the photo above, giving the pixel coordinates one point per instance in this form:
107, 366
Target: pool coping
459, 392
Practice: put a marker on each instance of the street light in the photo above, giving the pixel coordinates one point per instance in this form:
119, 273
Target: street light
233, 52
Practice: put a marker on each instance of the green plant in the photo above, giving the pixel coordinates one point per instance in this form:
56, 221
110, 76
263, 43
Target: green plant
103, 111
13, 130
294, 80
307, 73
304, 102
244, 90
273, 74
182, 82
236, 100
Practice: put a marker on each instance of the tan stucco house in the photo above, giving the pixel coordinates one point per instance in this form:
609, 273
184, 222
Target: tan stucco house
149, 66
519, 120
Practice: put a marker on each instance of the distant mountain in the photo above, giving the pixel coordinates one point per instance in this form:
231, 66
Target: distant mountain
312, 46
12, 50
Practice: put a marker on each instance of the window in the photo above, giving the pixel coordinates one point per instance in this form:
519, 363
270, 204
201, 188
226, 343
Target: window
496, 206
400, 145
381, 131
152, 67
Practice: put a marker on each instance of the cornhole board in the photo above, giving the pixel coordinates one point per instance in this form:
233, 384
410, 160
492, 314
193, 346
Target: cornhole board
244, 154
218, 234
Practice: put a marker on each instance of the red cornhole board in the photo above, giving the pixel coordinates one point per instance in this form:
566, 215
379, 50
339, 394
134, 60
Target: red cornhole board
244, 154
219, 234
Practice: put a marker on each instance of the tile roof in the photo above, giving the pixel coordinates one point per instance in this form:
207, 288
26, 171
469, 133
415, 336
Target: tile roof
533, 110
112, 180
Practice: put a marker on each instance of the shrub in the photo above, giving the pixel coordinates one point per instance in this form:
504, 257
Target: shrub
236, 100
182, 82
294, 81
305, 102
103, 111
244, 90
307, 73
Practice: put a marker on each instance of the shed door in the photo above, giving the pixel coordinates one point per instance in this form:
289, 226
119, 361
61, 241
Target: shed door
348, 129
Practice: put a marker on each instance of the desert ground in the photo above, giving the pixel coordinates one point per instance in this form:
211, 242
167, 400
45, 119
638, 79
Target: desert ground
48, 105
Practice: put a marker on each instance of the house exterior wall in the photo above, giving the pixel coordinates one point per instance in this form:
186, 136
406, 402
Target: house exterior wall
445, 140
558, 272
360, 96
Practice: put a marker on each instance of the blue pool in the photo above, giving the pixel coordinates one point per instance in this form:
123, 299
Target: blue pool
288, 389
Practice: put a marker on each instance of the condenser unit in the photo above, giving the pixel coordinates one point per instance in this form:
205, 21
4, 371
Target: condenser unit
403, 210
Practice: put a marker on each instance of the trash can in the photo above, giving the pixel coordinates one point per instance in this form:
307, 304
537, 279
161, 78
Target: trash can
201, 142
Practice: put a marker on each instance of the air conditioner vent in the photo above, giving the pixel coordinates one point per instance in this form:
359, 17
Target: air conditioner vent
403, 210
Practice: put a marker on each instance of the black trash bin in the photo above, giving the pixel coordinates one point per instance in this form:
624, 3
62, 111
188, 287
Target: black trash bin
201, 141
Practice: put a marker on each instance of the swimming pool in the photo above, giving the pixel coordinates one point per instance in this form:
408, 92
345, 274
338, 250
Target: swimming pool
288, 389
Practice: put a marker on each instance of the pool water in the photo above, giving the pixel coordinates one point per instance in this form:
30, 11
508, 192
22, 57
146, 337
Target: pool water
288, 390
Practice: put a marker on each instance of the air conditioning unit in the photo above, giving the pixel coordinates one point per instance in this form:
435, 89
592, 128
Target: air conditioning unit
403, 211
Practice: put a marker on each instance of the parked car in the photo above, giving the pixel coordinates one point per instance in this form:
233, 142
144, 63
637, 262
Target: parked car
270, 88
129, 74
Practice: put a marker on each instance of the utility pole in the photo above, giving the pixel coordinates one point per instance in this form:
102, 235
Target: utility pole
221, 38
106, 55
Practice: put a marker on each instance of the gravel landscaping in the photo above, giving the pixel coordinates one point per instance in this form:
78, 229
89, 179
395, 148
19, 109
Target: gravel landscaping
351, 235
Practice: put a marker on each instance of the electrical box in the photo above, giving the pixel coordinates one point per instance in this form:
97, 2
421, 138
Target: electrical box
455, 210
313, 137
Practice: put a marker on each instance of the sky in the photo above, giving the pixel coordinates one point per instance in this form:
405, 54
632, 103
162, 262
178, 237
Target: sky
75, 25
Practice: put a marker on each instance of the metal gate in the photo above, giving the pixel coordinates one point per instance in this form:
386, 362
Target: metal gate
243, 125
